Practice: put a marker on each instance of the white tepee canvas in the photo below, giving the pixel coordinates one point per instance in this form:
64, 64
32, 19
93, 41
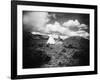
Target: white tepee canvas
51, 40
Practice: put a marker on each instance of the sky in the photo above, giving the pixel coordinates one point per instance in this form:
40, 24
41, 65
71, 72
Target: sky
68, 24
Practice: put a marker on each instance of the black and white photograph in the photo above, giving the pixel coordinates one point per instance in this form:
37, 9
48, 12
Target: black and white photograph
53, 39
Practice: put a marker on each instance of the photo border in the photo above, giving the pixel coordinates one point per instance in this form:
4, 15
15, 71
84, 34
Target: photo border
14, 39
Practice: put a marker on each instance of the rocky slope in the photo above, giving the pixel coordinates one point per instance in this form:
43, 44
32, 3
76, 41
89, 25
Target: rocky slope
73, 52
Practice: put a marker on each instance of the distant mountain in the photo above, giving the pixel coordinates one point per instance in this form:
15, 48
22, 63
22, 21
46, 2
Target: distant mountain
37, 36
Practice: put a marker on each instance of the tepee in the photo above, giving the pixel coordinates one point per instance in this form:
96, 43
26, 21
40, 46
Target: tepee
51, 40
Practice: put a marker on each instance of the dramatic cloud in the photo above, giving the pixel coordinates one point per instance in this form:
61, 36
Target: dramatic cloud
56, 27
69, 28
75, 28
74, 25
39, 22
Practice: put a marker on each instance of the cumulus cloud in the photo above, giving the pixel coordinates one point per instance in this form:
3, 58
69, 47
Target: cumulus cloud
68, 29
71, 23
76, 29
56, 27
74, 24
